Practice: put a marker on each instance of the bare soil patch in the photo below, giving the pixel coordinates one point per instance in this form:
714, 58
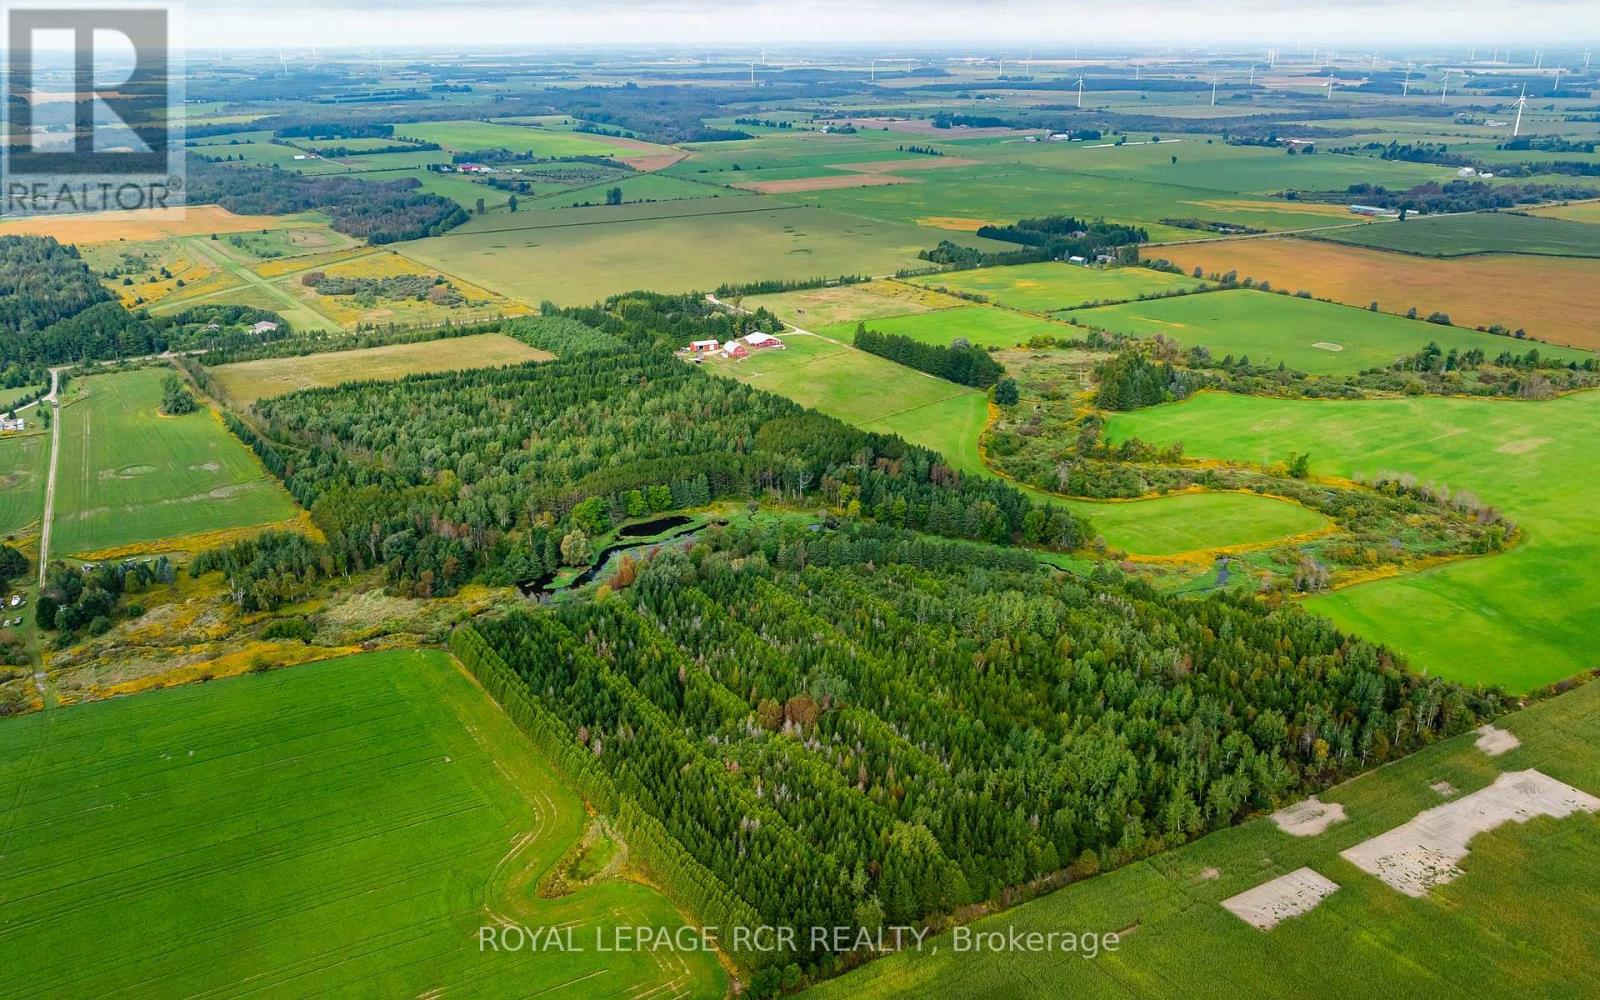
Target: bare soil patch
653, 161
1271, 903
1308, 818
894, 166
1495, 742
1418, 855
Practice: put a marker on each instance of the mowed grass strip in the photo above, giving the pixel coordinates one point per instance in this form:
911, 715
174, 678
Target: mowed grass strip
127, 473
335, 829
1523, 618
1054, 286
244, 382
983, 326
1321, 338
1480, 232
1487, 934
1550, 297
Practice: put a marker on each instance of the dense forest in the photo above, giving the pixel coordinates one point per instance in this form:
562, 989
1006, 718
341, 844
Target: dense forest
865, 726
508, 472
379, 212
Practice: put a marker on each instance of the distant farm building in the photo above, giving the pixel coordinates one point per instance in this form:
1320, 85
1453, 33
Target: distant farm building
734, 349
1369, 210
265, 326
760, 341
703, 346
13, 424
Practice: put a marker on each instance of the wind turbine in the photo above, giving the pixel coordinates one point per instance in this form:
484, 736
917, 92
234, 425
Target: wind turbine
1405, 87
1080, 90
1586, 60
1522, 102
1252, 74
1213, 90
752, 72
1444, 86
1559, 71
283, 62
1330, 88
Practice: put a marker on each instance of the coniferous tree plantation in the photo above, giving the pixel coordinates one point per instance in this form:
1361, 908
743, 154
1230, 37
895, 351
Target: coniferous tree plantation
866, 726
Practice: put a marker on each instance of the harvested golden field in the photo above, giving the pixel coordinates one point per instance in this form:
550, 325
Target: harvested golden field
148, 224
956, 223
814, 307
1550, 297
247, 381
1578, 211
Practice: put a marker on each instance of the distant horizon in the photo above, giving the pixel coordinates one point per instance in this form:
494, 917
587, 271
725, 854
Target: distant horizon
1016, 24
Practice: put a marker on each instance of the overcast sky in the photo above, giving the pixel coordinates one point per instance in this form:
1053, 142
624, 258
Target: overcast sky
1360, 24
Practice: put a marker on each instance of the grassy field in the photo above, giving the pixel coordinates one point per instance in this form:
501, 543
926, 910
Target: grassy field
244, 382
1522, 618
24, 459
1049, 287
578, 255
851, 303
1192, 522
1578, 211
984, 326
1487, 934
1482, 232
465, 136
1305, 334
341, 828
1550, 297
127, 473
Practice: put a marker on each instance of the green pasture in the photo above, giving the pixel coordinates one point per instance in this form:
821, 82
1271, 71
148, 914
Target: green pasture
24, 463
466, 136
1305, 334
1053, 286
127, 473
1523, 618
1190, 522
578, 255
336, 829
1480, 232
1487, 934
983, 326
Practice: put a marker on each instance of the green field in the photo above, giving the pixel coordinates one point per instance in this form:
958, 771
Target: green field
1049, 287
24, 460
1523, 618
1307, 335
1487, 934
1481, 232
129, 474
342, 828
578, 255
465, 136
984, 326
1191, 522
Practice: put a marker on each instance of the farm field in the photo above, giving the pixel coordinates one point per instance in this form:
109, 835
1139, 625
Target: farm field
576, 256
244, 382
984, 326
1480, 232
151, 224
465, 136
1578, 211
336, 828
1487, 934
1054, 286
24, 461
1305, 334
1521, 618
850, 303
127, 473
1548, 296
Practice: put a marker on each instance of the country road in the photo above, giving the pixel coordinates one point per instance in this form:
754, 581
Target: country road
50, 479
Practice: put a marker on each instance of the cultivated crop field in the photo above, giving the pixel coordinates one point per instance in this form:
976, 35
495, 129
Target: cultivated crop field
1487, 934
576, 256
1055, 286
150, 224
466, 136
1547, 296
1305, 334
1480, 232
244, 382
849, 303
984, 326
24, 460
337, 828
127, 473
1522, 618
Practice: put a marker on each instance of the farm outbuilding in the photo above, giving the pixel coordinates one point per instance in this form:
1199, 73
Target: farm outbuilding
703, 346
760, 341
